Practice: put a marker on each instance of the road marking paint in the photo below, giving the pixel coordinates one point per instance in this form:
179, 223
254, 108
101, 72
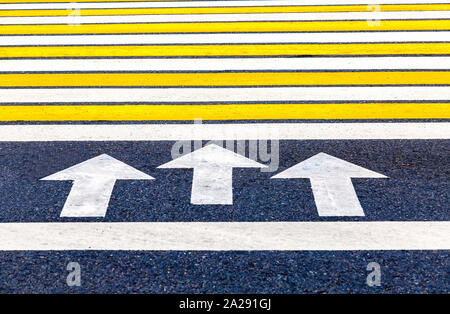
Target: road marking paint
225, 112
334, 193
82, 40
225, 79
229, 10
212, 181
18, 5
227, 27
224, 236
249, 94
228, 50
177, 18
232, 131
224, 64
93, 184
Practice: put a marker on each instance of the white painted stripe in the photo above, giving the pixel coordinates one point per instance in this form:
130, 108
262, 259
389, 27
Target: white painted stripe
225, 236
233, 131
213, 94
241, 38
190, 4
223, 64
173, 18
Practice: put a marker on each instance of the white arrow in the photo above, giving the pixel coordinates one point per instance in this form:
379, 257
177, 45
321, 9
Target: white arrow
213, 173
331, 183
93, 183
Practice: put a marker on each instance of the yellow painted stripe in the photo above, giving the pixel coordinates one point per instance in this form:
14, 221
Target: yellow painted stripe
226, 10
225, 112
225, 79
227, 50
217, 27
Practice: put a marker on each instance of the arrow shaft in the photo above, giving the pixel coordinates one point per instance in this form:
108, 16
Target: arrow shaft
336, 197
88, 198
212, 185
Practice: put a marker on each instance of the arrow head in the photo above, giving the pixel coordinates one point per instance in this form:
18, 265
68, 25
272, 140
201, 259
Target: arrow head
100, 167
326, 166
212, 156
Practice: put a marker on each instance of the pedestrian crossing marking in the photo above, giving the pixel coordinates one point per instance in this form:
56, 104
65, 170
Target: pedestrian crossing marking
342, 107
182, 85
225, 131
225, 112
226, 236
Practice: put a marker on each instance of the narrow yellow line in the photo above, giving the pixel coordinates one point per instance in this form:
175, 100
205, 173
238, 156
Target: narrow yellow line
225, 79
226, 50
227, 10
217, 27
225, 112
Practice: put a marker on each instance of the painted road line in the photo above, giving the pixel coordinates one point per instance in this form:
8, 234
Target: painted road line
230, 10
284, 200
143, 39
176, 18
232, 131
225, 64
212, 181
226, 79
34, 4
331, 183
211, 94
225, 112
224, 236
227, 50
228, 27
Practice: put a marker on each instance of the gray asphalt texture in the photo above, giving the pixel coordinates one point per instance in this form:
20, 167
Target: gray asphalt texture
417, 190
